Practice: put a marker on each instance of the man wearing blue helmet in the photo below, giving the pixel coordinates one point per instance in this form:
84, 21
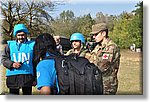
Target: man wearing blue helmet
77, 41
17, 58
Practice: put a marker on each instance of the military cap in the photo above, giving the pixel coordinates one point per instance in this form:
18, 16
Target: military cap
98, 27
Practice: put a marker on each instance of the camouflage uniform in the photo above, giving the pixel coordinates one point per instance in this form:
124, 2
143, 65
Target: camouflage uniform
82, 52
107, 57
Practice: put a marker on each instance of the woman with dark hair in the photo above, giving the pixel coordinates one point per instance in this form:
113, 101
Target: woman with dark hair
45, 45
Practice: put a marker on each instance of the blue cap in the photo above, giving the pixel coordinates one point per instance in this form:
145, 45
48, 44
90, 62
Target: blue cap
77, 36
20, 27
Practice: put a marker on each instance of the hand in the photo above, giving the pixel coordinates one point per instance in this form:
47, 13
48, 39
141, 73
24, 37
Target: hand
88, 55
104, 65
17, 64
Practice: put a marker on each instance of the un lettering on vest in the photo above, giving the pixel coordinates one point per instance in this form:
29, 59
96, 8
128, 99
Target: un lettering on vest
21, 57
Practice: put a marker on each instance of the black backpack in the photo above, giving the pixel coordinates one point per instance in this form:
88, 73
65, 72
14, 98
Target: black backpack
77, 76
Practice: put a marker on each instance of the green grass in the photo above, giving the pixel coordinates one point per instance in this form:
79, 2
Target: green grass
129, 75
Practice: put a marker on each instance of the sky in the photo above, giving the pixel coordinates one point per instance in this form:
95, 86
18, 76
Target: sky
110, 7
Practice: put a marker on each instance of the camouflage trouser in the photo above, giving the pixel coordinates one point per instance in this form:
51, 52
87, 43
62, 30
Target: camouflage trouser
110, 84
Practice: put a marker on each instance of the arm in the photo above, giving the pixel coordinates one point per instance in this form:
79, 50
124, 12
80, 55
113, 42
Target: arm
6, 58
68, 52
45, 90
46, 75
109, 58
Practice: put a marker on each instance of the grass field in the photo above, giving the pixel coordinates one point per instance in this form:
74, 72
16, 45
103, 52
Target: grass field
130, 74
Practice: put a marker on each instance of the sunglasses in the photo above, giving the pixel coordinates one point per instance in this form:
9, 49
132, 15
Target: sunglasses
97, 33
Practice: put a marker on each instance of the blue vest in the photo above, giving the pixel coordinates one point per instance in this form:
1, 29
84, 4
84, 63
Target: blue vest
22, 52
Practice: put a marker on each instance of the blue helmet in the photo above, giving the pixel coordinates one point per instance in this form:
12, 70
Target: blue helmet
77, 36
20, 27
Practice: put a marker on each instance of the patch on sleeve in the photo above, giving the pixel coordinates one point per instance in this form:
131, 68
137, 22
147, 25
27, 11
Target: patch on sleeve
105, 56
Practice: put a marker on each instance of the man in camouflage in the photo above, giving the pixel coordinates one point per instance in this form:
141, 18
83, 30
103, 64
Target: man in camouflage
106, 56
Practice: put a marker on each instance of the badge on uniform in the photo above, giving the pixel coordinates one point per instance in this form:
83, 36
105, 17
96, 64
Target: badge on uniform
105, 56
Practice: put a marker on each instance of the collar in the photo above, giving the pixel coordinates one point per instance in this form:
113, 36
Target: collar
105, 42
22, 42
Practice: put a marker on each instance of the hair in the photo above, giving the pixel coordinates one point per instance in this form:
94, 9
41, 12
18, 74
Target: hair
106, 30
44, 43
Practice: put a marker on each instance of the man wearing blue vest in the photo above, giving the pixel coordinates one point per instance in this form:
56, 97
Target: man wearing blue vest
17, 58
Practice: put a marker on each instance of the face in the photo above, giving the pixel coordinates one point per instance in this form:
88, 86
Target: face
98, 37
21, 36
76, 44
57, 41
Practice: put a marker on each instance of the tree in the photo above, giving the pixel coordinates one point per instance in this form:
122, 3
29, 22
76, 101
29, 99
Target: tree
128, 28
100, 18
120, 33
34, 14
109, 19
67, 16
9, 17
85, 25
64, 25
136, 25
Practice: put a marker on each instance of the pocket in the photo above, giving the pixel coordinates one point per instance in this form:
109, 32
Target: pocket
11, 82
